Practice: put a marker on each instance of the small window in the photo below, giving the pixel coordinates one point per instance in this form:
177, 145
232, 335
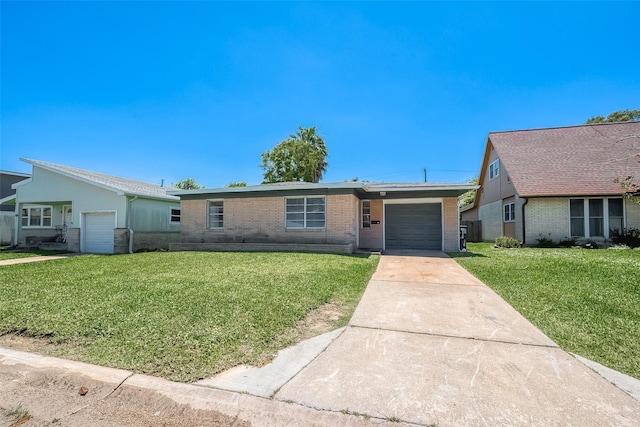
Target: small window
510, 212
36, 216
175, 215
305, 212
616, 216
366, 214
494, 169
576, 212
596, 217
216, 214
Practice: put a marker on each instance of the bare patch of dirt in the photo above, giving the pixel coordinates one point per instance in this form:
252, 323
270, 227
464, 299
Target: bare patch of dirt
318, 321
32, 345
53, 398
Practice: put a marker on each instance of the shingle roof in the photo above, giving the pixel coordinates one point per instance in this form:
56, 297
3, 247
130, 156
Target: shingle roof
122, 186
577, 160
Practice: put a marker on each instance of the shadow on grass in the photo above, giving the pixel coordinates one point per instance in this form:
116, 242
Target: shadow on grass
465, 255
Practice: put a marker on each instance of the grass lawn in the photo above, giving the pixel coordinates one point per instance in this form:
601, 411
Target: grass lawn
180, 315
588, 301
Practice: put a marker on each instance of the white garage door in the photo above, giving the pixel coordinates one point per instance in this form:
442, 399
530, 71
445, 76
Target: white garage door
98, 232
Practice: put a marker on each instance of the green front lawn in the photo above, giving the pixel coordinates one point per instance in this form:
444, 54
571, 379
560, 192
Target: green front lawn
588, 301
180, 315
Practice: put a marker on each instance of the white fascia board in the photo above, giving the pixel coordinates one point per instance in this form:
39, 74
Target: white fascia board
20, 183
416, 187
7, 199
26, 175
271, 187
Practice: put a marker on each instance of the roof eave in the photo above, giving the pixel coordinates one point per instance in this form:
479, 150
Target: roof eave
268, 187
77, 178
7, 199
21, 183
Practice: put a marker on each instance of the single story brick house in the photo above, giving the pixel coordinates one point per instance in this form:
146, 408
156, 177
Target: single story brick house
96, 212
557, 183
334, 217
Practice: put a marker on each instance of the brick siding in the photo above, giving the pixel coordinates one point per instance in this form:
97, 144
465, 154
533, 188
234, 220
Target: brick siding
262, 220
633, 214
548, 217
451, 232
151, 241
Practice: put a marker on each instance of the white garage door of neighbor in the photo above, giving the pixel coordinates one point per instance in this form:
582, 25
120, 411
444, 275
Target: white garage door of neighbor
98, 232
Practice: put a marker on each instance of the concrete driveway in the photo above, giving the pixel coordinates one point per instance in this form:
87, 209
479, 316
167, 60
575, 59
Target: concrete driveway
432, 345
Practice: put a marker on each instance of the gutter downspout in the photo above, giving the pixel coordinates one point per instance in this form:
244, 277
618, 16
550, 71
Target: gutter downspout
524, 228
129, 201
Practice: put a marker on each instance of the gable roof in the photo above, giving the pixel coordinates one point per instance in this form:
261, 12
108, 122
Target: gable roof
119, 185
568, 161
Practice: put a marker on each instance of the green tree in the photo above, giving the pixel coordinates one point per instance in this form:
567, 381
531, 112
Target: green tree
468, 197
616, 116
237, 184
300, 157
187, 184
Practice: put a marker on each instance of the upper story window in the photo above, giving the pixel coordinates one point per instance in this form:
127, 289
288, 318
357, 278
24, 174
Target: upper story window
494, 169
216, 214
174, 215
36, 216
366, 214
305, 212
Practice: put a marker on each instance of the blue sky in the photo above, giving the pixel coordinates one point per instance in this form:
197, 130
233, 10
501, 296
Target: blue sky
166, 90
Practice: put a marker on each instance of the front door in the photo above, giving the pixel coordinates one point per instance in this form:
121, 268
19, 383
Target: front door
67, 213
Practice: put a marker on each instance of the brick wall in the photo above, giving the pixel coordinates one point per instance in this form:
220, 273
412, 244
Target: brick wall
73, 239
450, 217
633, 214
121, 241
262, 220
547, 217
143, 241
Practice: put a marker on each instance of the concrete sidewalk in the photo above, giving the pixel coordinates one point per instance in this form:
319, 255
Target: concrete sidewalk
429, 344
35, 259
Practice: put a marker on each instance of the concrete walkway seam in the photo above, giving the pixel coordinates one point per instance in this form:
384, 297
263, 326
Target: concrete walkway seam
455, 336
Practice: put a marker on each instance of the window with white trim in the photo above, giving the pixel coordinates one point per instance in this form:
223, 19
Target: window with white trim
366, 214
510, 212
175, 215
597, 217
36, 216
494, 169
305, 212
616, 216
216, 214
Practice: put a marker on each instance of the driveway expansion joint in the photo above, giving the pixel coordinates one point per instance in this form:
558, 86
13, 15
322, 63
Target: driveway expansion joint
454, 336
